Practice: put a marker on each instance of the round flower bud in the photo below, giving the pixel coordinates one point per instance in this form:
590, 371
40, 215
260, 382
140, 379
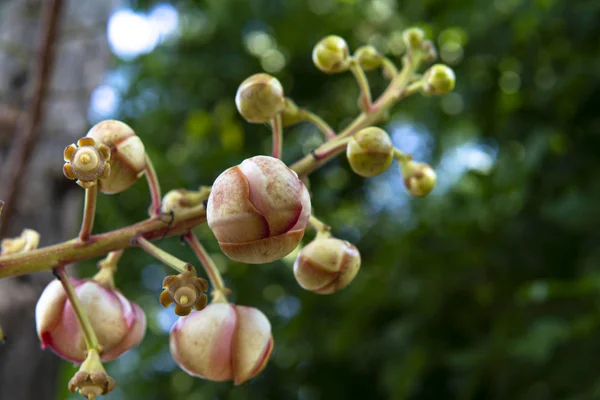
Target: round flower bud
258, 210
331, 55
419, 178
222, 342
86, 162
370, 152
439, 80
260, 98
368, 57
118, 323
326, 265
128, 156
413, 38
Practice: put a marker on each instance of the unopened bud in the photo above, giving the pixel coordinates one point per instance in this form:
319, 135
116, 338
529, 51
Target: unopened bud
326, 265
258, 210
439, 80
419, 178
370, 152
331, 55
260, 98
413, 38
118, 323
128, 156
368, 57
222, 342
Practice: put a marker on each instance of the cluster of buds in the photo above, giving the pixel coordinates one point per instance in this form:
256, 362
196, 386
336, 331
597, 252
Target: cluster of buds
258, 212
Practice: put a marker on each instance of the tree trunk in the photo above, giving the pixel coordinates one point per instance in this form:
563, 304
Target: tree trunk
48, 202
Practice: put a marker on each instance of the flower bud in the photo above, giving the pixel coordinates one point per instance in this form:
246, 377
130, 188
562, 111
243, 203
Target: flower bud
413, 38
29, 240
222, 342
326, 265
331, 55
86, 162
370, 152
258, 210
118, 323
368, 57
439, 80
419, 178
128, 156
260, 98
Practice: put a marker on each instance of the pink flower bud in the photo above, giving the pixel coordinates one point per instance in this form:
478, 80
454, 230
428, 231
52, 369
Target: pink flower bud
222, 342
258, 210
326, 265
118, 323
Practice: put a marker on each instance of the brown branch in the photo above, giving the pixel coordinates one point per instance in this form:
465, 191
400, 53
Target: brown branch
28, 126
45, 258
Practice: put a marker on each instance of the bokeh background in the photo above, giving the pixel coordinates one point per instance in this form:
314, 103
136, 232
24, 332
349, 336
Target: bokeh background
489, 288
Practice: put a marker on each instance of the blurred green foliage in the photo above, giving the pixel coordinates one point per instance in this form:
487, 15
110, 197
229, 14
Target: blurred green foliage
487, 289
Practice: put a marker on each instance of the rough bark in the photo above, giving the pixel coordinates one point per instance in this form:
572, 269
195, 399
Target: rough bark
48, 202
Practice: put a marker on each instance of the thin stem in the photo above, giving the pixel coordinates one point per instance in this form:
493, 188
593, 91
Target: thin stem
108, 266
319, 123
363, 84
91, 341
389, 68
154, 186
277, 128
323, 230
164, 257
332, 147
220, 292
401, 156
111, 260
89, 213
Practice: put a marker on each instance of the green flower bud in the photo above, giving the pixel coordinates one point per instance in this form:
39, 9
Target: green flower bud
413, 38
260, 98
419, 178
368, 57
439, 80
429, 51
331, 55
370, 152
